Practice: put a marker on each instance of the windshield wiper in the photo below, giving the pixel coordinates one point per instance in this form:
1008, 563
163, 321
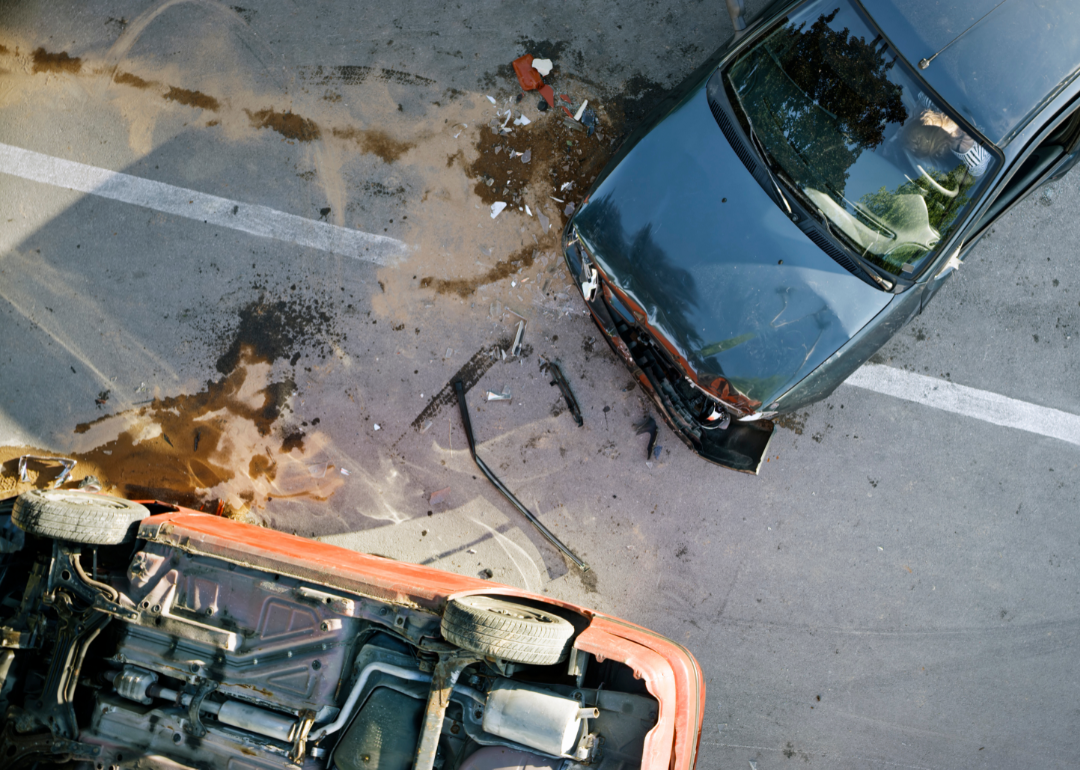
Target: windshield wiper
765, 159
869, 268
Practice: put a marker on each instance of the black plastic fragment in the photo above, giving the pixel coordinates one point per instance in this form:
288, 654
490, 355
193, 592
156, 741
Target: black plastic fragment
553, 368
647, 425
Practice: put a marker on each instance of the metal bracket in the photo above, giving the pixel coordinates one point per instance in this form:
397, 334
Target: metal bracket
307, 720
446, 674
194, 725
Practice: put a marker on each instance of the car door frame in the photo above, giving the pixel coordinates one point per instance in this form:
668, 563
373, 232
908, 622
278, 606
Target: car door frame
984, 220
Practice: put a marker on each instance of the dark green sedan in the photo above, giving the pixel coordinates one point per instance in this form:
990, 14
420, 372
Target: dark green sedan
807, 191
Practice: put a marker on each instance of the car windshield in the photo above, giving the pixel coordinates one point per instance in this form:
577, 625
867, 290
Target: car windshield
848, 127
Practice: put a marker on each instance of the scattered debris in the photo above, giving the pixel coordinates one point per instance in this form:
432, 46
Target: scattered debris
516, 349
558, 378
581, 110
528, 210
491, 99
64, 474
531, 80
589, 120
459, 389
569, 210
344, 472
496, 396
526, 156
439, 496
647, 425
545, 223
90, 483
487, 574
542, 105
543, 66
426, 426
378, 427
497, 208
449, 353
522, 121
470, 550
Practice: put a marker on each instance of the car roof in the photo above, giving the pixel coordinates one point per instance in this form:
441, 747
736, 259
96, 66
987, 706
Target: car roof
1003, 69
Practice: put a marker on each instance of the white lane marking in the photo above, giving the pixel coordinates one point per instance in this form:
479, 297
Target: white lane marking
256, 220
970, 402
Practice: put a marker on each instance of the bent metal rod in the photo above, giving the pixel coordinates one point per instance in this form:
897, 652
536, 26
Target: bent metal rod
459, 389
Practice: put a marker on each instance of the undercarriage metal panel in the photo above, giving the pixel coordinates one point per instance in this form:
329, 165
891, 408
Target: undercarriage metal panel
137, 736
272, 641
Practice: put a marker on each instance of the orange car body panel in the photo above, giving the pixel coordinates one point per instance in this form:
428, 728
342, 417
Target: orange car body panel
670, 672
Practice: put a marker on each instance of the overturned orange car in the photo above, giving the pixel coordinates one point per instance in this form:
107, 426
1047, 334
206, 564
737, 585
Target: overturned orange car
144, 635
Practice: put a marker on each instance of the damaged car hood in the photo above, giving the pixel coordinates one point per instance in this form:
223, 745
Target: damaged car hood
689, 236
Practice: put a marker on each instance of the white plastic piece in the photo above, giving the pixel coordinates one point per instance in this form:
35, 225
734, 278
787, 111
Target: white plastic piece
543, 66
497, 208
491, 99
533, 717
522, 121
528, 210
378, 427
588, 288
581, 110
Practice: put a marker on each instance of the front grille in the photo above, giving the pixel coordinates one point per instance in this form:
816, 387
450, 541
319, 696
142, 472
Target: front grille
665, 378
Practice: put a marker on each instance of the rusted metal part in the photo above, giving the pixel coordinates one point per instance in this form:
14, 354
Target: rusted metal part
64, 461
459, 389
558, 378
445, 676
22, 751
307, 719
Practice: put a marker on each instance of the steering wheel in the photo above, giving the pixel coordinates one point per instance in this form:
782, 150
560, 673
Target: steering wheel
935, 185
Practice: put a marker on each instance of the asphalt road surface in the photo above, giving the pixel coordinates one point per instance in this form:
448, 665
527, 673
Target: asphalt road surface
245, 251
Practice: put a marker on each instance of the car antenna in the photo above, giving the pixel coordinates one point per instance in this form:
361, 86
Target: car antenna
924, 63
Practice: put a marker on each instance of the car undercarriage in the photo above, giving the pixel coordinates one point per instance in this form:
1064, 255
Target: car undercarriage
154, 653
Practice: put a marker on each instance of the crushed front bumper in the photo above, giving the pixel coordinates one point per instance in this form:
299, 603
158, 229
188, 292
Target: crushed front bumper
740, 446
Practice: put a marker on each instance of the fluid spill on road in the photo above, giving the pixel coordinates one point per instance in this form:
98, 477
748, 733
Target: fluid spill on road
44, 61
288, 124
229, 447
221, 449
375, 142
504, 268
192, 99
129, 79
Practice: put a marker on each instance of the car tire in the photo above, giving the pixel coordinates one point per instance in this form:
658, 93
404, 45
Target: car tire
506, 630
78, 517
